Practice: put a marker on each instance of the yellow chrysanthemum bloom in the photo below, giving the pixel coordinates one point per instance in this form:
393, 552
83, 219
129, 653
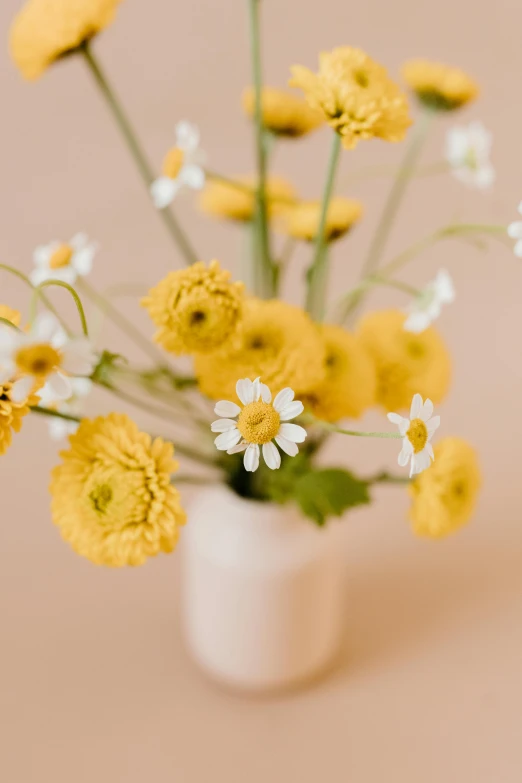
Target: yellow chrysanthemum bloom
279, 343
348, 387
11, 415
13, 316
238, 202
302, 220
111, 496
355, 95
46, 30
283, 113
439, 86
406, 363
444, 496
196, 309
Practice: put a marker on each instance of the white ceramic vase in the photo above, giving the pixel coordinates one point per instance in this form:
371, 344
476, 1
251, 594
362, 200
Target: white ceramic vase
263, 591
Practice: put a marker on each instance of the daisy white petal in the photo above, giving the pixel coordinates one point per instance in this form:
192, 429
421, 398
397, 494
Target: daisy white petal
45, 327
251, 459
514, 230
283, 398
271, 456
293, 432
237, 449
187, 136
417, 322
432, 425
59, 429
60, 385
193, 176
43, 253
83, 260
245, 390
163, 191
6, 373
416, 406
266, 394
288, 446
223, 425
78, 357
291, 410
21, 388
406, 453
227, 439
429, 449
227, 409
426, 411
518, 249
402, 423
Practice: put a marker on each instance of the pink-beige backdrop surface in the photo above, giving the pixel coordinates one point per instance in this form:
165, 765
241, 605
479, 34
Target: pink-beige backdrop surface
94, 681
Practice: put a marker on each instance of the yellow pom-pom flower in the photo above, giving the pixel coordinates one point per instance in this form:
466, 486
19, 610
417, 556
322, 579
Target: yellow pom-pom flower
406, 363
11, 414
302, 220
13, 316
279, 343
439, 86
348, 387
46, 30
355, 95
196, 309
237, 201
284, 114
111, 496
444, 496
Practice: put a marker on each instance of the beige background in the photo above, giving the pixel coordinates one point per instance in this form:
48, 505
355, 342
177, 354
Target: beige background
94, 682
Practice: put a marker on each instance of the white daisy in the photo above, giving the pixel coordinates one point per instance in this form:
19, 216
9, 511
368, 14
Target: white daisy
258, 423
74, 405
416, 432
44, 356
427, 307
467, 151
63, 261
182, 167
515, 232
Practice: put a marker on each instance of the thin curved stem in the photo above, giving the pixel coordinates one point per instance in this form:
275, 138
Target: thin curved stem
365, 285
60, 284
7, 322
56, 414
142, 164
325, 425
20, 275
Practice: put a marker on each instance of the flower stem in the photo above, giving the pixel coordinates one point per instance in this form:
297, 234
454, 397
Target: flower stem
50, 412
264, 260
16, 272
318, 272
387, 478
73, 293
144, 168
311, 419
345, 303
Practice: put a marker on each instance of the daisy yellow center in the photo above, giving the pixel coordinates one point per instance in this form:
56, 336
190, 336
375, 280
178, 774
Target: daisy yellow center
258, 422
417, 434
40, 359
61, 257
173, 162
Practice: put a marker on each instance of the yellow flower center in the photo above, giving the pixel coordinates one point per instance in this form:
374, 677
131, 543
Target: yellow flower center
258, 422
100, 497
61, 257
40, 359
173, 162
417, 434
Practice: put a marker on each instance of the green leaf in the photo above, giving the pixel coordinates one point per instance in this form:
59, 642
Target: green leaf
329, 492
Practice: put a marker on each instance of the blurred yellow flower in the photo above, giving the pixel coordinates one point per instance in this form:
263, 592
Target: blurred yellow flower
279, 343
444, 496
45, 30
237, 201
284, 114
348, 387
406, 363
13, 316
302, 220
355, 95
11, 415
111, 496
439, 86
196, 309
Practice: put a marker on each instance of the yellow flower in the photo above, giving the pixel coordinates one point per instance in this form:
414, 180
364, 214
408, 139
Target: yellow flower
439, 86
284, 114
444, 496
11, 414
355, 95
13, 316
302, 220
348, 387
406, 363
238, 202
46, 30
111, 496
196, 309
279, 343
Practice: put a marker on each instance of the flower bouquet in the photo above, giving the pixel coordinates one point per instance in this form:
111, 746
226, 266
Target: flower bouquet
269, 382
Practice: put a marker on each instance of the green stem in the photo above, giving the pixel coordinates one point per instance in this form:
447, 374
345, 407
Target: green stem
387, 478
308, 417
20, 275
265, 261
397, 192
73, 293
144, 168
56, 414
345, 303
318, 272
10, 324
185, 478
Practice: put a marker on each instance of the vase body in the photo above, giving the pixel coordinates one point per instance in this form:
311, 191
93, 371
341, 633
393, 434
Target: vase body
263, 591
